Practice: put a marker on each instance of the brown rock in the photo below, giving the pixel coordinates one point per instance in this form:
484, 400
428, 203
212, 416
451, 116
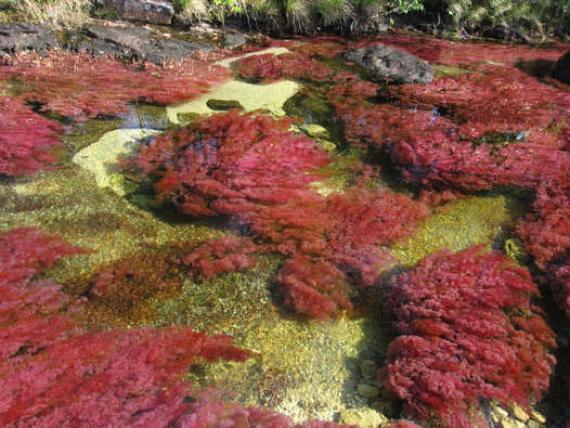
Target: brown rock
150, 11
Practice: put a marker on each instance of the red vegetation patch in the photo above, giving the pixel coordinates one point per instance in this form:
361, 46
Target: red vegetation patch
546, 235
80, 86
55, 374
229, 254
117, 378
498, 128
31, 312
28, 141
454, 53
314, 286
254, 171
269, 67
494, 98
469, 332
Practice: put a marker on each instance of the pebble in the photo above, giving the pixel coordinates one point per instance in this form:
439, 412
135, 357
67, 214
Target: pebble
520, 413
363, 417
537, 416
369, 369
367, 391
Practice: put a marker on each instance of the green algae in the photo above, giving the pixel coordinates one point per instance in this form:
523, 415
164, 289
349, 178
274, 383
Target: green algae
305, 369
363, 417
459, 225
222, 304
339, 173
514, 249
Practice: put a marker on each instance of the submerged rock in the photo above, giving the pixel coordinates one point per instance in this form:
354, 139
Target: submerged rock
135, 43
364, 417
385, 62
101, 158
270, 97
20, 37
562, 69
152, 11
224, 105
233, 39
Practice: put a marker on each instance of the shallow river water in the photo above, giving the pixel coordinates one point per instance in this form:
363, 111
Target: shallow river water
286, 198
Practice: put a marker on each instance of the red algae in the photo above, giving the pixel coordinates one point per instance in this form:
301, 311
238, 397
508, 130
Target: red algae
28, 142
546, 235
463, 52
503, 134
217, 256
469, 332
30, 315
79, 86
269, 67
254, 171
219, 414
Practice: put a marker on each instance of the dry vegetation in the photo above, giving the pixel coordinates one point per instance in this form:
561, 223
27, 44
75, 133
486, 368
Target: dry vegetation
55, 13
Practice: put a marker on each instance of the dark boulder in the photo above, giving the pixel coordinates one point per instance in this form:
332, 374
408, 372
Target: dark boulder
152, 11
15, 38
132, 43
233, 39
384, 62
562, 69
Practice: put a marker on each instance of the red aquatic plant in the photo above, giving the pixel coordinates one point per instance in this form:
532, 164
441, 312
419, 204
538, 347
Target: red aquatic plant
228, 254
28, 141
455, 53
269, 67
493, 98
253, 170
314, 286
469, 333
546, 236
224, 163
463, 138
56, 374
31, 315
79, 86
113, 378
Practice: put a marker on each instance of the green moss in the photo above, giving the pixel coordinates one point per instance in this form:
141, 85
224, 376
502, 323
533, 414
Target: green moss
458, 225
514, 249
305, 369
